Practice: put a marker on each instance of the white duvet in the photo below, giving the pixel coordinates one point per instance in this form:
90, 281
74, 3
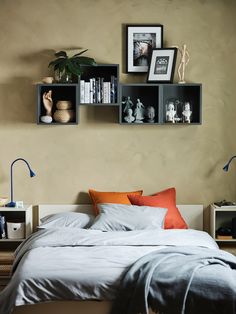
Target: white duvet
78, 264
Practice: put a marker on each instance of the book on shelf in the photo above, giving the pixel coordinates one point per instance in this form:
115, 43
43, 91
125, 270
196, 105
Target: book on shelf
225, 206
2, 227
113, 89
97, 91
6, 257
82, 91
5, 270
106, 92
224, 237
86, 92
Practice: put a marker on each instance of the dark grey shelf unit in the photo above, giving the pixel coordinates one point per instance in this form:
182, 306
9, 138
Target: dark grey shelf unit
104, 71
148, 94
59, 92
164, 92
181, 93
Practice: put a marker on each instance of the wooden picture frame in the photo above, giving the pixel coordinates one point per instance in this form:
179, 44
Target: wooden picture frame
162, 65
141, 39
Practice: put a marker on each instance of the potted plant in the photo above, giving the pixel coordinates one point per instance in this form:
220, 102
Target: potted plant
65, 66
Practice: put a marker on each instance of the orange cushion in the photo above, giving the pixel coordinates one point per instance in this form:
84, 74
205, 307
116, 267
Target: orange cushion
165, 199
111, 197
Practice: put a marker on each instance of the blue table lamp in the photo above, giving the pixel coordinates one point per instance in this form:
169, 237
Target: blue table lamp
226, 167
32, 174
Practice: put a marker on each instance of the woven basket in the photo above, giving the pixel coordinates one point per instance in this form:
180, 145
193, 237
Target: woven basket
64, 116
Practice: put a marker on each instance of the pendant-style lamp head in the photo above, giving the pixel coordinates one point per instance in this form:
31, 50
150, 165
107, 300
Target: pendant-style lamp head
226, 167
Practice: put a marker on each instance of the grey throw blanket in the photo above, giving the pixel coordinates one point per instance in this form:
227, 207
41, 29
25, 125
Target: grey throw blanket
180, 280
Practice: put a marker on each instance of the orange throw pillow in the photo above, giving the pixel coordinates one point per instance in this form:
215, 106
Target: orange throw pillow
165, 199
111, 197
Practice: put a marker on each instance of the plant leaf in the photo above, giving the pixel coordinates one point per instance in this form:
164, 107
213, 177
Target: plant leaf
73, 68
85, 60
80, 53
62, 65
55, 62
61, 54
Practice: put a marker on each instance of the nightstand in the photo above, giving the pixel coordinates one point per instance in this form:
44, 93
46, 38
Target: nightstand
8, 246
222, 217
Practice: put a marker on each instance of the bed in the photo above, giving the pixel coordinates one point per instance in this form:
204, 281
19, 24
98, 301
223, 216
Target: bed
29, 262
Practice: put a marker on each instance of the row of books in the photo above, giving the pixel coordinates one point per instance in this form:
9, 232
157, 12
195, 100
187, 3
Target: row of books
2, 227
6, 261
97, 91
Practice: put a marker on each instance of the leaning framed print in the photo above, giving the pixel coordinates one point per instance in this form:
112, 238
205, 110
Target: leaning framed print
140, 40
162, 65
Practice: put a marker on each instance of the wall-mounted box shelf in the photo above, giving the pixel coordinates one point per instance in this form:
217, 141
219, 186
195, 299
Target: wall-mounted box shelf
174, 104
181, 95
60, 92
99, 85
139, 104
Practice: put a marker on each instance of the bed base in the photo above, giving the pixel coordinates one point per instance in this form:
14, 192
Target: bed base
68, 307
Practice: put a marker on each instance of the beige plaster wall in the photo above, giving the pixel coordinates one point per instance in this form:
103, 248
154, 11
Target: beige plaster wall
99, 153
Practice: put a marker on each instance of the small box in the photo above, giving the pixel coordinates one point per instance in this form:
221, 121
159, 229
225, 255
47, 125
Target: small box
15, 230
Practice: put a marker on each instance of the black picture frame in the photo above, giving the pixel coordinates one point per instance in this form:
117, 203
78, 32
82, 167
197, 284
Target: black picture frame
162, 65
137, 55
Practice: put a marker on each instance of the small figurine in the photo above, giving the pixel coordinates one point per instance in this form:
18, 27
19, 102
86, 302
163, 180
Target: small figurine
150, 114
139, 112
185, 57
129, 118
48, 103
187, 113
128, 104
171, 113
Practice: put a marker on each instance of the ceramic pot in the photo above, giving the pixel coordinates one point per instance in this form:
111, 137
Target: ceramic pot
63, 104
64, 116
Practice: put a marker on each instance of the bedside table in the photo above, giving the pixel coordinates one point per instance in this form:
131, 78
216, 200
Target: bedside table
8, 246
222, 217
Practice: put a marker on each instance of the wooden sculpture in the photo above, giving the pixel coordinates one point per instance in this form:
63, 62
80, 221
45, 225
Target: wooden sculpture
185, 57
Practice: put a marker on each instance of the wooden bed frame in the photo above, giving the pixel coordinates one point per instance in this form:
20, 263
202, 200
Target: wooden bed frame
193, 215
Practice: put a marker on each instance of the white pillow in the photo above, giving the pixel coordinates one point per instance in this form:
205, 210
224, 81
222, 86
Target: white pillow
116, 217
68, 219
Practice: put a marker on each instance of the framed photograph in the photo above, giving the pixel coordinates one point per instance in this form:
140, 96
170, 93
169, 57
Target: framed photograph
141, 40
162, 65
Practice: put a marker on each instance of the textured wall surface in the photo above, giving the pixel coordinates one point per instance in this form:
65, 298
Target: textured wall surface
100, 153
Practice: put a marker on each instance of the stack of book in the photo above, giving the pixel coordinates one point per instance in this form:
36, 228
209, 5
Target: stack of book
6, 261
2, 227
97, 91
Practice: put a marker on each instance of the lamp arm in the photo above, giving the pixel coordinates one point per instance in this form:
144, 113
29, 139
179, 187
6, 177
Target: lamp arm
12, 164
229, 162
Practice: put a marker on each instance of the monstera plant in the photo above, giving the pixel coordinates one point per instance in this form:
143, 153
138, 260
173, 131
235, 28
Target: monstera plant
65, 66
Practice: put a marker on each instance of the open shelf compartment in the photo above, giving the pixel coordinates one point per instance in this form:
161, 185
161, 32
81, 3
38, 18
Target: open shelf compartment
176, 98
60, 92
99, 85
139, 104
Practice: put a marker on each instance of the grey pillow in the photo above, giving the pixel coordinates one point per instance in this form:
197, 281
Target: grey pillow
67, 219
117, 217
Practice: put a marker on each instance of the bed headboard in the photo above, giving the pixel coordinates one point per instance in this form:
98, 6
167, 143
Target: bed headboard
193, 214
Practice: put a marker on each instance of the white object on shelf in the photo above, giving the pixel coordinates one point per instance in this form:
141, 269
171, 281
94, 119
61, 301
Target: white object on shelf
15, 230
19, 204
